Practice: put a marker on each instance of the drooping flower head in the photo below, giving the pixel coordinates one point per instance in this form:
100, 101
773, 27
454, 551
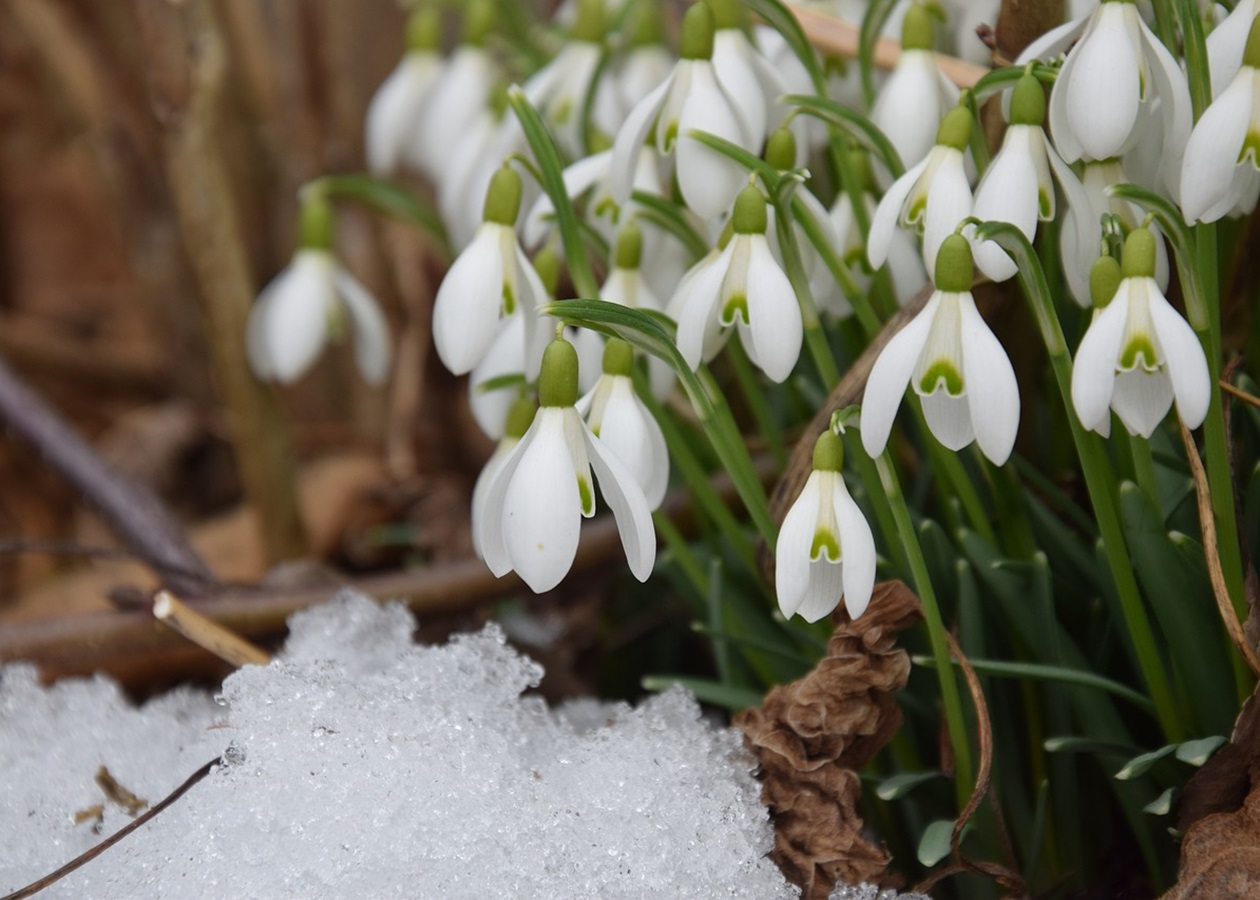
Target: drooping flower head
954, 363
308, 304
535, 504
1139, 355
743, 289
825, 549
393, 117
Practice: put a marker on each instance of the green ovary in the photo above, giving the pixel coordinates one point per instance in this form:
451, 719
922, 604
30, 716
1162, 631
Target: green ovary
943, 371
825, 544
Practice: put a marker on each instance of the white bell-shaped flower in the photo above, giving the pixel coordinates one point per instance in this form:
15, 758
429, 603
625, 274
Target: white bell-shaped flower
932, 197
518, 416
307, 305
393, 116
535, 504
490, 280
954, 363
1221, 169
624, 425
916, 96
690, 99
1139, 354
1017, 187
744, 288
825, 549
646, 62
559, 88
1109, 82
744, 72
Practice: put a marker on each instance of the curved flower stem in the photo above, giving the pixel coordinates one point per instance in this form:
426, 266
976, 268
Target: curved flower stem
1099, 478
951, 699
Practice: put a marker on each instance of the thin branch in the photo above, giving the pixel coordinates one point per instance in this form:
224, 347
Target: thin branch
87, 856
206, 633
132, 511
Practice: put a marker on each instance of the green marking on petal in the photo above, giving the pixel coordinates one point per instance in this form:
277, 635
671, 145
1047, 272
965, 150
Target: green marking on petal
1045, 205
587, 496
942, 372
509, 298
1139, 351
1250, 148
607, 208
560, 115
825, 543
915, 211
736, 306
671, 135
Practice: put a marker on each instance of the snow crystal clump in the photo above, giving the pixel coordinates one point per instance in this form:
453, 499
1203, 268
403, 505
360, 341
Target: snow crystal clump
360, 764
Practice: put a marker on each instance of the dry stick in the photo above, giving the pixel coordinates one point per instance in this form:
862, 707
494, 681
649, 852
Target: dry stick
1216, 575
88, 855
188, 72
841, 38
206, 633
132, 511
1239, 393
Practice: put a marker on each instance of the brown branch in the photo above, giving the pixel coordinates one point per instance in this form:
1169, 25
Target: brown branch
88, 855
206, 633
132, 512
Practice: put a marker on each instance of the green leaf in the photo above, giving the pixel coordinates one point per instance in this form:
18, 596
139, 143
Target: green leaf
778, 17
706, 691
1042, 672
1140, 765
672, 218
898, 786
934, 844
855, 124
1196, 753
499, 382
1070, 743
387, 197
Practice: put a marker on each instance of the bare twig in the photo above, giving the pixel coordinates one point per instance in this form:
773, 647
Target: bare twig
87, 856
1215, 574
135, 514
1238, 392
206, 633
840, 38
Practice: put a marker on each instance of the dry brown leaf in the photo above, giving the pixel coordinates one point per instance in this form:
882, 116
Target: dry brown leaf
810, 736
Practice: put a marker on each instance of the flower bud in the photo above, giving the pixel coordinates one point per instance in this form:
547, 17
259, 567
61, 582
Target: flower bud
781, 149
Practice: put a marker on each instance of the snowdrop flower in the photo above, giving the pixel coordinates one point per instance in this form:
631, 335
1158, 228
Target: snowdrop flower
1109, 83
646, 62
306, 305
489, 280
623, 424
519, 415
917, 95
559, 88
462, 92
743, 71
690, 99
905, 264
933, 197
535, 503
825, 549
1017, 188
1221, 169
741, 288
626, 286
954, 363
393, 116
1227, 44
1139, 354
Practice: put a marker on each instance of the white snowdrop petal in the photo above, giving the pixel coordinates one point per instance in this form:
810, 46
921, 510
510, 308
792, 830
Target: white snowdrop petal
542, 507
371, 330
629, 506
1209, 166
792, 567
774, 314
888, 212
467, 308
949, 419
857, 547
1175, 109
910, 105
992, 392
1142, 399
505, 356
1094, 369
826, 583
695, 308
1184, 358
623, 430
578, 178
1053, 42
949, 202
489, 539
297, 309
630, 137
458, 95
1079, 231
1008, 192
890, 375
394, 113
708, 180
481, 490
1226, 43
733, 67
1103, 91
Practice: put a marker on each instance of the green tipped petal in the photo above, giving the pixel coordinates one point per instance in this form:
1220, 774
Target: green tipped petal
558, 382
